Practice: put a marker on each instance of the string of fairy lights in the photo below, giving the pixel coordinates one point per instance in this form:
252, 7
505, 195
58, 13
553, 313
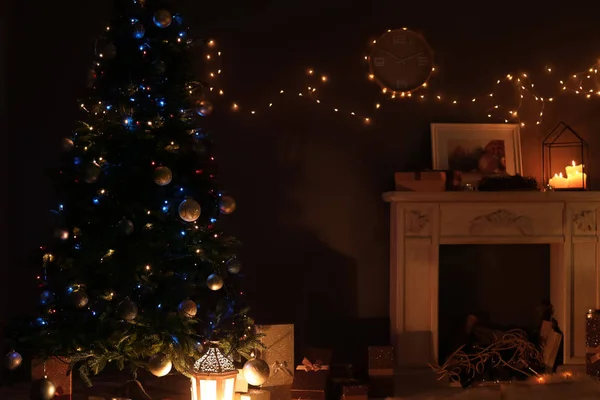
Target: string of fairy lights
584, 84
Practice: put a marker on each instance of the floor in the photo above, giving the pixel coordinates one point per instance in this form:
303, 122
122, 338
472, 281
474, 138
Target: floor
410, 385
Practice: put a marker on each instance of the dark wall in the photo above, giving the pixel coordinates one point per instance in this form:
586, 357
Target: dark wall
308, 181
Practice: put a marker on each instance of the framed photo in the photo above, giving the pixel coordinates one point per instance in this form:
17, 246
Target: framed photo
477, 149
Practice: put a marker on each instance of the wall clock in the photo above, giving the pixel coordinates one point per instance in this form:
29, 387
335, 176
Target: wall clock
401, 60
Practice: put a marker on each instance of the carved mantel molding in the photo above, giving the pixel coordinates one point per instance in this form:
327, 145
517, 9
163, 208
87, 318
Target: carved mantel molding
584, 221
416, 221
501, 219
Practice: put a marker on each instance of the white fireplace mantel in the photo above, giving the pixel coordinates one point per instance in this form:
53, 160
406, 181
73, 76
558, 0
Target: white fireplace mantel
421, 222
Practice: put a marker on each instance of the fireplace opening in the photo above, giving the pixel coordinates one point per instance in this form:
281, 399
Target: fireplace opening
503, 285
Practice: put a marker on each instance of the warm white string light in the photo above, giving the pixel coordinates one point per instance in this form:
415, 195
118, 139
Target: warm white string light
584, 84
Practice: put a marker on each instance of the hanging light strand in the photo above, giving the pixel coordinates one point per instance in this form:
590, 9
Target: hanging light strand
584, 84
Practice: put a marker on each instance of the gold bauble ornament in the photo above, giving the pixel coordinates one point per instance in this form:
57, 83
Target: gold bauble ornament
227, 205
204, 108
67, 144
162, 18
189, 210
214, 282
127, 310
13, 360
234, 266
91, 172
256, 371
188, 308
42, 389
79, 299
159, 365
162, 176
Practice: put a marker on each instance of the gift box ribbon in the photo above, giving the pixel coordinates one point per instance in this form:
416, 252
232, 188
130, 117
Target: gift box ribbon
281, 366
596, 353
307, 365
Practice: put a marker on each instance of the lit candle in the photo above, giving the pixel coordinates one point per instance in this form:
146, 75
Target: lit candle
577, 180
559, 182
573, 169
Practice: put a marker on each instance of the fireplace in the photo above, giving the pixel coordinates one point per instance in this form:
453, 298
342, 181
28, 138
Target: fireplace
503, 285
561, 225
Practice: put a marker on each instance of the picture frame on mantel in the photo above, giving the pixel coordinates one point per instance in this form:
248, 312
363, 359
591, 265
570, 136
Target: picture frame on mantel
476, 150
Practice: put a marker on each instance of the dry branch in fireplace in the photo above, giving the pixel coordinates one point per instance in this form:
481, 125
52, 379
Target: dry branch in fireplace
492, 356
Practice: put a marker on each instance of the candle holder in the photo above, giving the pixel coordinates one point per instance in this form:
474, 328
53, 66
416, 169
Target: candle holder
565, 157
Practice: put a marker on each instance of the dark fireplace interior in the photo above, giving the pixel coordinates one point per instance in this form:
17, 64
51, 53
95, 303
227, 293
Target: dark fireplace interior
503, 285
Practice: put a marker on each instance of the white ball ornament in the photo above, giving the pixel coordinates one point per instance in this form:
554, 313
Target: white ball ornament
159, 365
204, 108
188, 308
189, 210
214, 282
163, 176
13, 360
256, 371
91, 172
162, 18
227, 205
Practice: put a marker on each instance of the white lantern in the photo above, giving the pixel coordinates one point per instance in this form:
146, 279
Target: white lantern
214, 376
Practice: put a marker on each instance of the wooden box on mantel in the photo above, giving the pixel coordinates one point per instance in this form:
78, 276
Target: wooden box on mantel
426, 181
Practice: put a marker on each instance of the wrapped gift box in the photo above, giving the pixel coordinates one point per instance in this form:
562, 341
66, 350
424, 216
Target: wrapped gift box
312, 376
241, 384
55, 369
592, 343
381, 371
279, 355
254, 394
355, 392
426, 181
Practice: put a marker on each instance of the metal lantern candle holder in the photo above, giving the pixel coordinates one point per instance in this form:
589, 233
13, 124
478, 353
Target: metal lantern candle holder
565, 157
214, 376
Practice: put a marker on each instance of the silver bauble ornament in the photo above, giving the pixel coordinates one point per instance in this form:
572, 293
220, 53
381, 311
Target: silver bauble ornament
214, 282
162, 176
227, 205
91, 172
204, 108
161, 68
234, 266
126, 226
138, 30
189, 210
109, 52
42, 389
79, 299
256, 371
13, 360
188, 308
46, 297
127, 310
159, 365
162, 18
67, 144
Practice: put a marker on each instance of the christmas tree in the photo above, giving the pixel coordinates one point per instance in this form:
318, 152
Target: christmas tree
138, 272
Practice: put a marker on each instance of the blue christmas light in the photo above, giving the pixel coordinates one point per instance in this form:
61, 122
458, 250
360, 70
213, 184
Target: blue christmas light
159, 306
41, 322
109, 107
61, 207
139, 286
77, 246
213, 220
94, 313
76, 160
161, 102
96, 200
182, 233
181, 189
181, 34
131, 99
70, 289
